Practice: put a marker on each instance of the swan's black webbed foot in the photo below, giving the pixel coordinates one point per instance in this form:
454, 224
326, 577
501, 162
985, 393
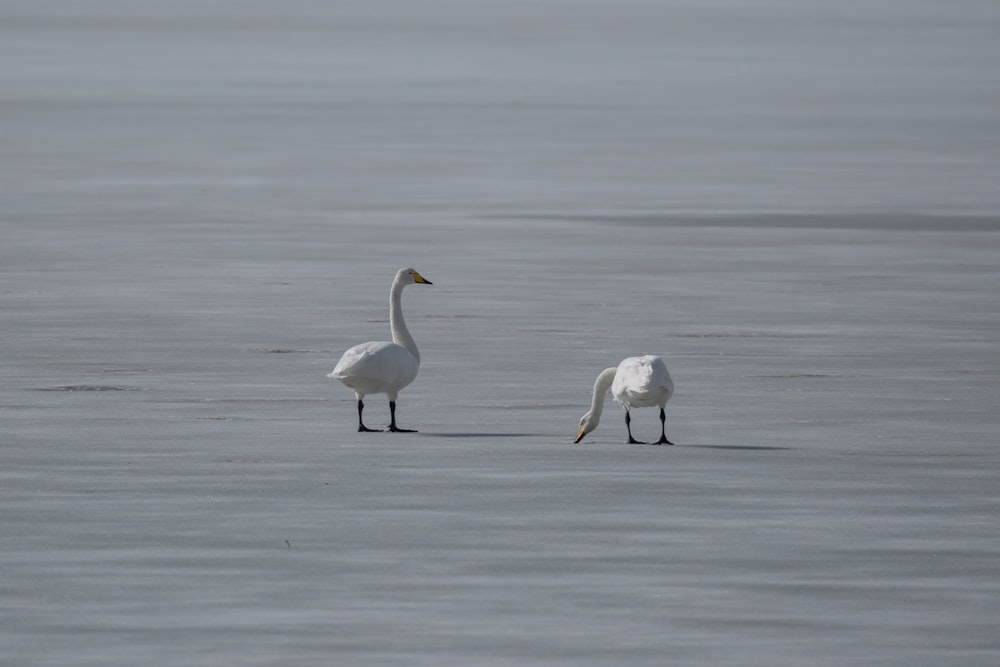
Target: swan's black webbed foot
663, 429
392, 421
628, 425
361, 424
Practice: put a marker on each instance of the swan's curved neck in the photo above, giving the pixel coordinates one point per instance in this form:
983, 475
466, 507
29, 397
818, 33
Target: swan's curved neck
400, 334
601, 386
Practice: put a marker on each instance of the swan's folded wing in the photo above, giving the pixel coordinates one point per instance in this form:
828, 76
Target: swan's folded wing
635, 376
642, 381
381, 365
358, 360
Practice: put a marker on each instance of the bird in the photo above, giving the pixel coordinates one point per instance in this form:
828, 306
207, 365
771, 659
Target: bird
637, 382
383, 367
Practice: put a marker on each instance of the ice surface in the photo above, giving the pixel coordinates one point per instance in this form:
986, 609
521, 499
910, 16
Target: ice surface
203, 206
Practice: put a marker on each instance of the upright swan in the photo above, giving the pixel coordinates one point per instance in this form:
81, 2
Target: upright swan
384, 367
638, 382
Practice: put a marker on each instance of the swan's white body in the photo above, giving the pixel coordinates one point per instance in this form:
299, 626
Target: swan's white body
642, 382
383, 367
378, 367
637, 382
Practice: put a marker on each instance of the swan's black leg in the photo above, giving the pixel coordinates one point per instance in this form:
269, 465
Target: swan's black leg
361, 424
392, 424
628, 425
663, 429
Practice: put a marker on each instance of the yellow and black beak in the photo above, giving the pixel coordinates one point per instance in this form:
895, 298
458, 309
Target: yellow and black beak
420, 279
579, 435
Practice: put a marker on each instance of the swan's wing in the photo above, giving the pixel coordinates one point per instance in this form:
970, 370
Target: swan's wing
634, 376
376, 367
353, 360
642, 381
662, 380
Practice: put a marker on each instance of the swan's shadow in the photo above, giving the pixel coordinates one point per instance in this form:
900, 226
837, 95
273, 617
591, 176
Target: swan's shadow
470, 434
473, 435
741, 448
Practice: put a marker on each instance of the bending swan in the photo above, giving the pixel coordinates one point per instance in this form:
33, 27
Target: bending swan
638, 382
384, 367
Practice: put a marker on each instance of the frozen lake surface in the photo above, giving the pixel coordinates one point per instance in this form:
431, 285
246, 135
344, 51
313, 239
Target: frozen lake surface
203, 208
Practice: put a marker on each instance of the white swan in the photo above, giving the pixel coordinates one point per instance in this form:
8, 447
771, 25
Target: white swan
638, 382
383, 367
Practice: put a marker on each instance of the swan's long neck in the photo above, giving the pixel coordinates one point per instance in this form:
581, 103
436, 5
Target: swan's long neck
400, 334
601, 386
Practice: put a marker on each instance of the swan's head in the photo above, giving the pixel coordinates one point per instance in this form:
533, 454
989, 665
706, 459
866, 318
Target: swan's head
587, 424
410, 276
